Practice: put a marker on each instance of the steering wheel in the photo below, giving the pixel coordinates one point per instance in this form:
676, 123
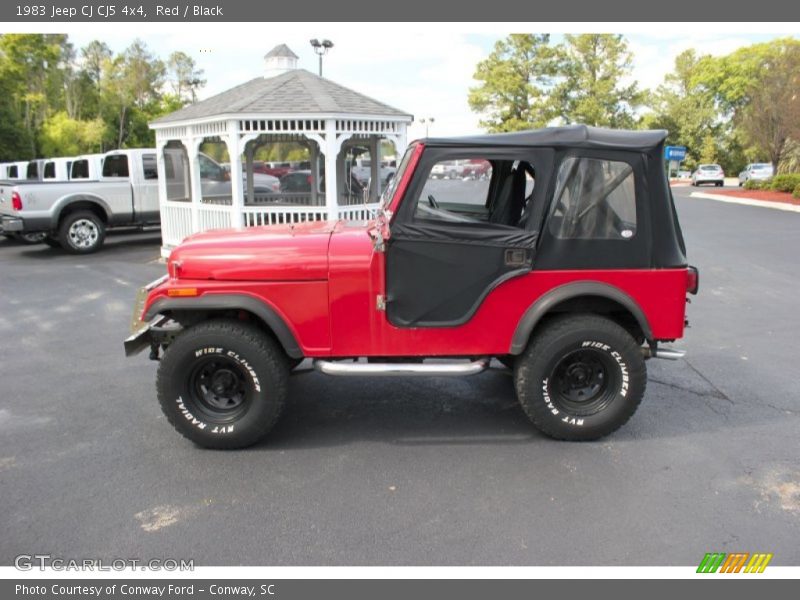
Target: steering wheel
432, 201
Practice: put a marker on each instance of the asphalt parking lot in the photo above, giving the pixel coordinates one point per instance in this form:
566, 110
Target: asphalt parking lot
405, 471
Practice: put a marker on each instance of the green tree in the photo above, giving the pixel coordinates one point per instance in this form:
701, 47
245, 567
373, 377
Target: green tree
686, 108
131, 92
186, 79
593, 88
29, 64
771, 118
708, 150
515, 83
62, 135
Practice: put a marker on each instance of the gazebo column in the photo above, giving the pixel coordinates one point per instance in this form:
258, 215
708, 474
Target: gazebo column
331, 175
233, 142
313, 150
375, 168
192, 146
249, 150
161, 144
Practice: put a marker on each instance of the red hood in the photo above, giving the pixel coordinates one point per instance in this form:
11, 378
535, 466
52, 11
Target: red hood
273, 253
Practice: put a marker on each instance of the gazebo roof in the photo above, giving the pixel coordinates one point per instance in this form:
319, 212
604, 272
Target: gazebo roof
281, 50
294, 92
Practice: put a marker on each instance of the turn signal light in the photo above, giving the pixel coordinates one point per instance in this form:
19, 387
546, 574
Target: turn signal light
16, 201
182, 292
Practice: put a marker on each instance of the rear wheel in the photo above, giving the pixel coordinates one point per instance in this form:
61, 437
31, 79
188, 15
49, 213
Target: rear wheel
81, 232
581, 378
223, 384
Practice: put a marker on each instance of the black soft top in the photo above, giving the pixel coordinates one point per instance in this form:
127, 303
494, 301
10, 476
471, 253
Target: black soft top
573, 136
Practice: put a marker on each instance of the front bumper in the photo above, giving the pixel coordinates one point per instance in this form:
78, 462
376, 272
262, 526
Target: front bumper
141, 331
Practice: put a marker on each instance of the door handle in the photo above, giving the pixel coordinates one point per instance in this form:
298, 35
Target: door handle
515, 257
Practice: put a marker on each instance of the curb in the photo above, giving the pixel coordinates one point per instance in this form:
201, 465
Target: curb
748, 201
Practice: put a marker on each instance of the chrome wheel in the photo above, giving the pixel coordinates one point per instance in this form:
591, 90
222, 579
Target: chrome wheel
83, 233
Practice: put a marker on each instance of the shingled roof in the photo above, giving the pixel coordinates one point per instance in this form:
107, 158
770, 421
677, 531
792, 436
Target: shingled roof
295, 92
281, 50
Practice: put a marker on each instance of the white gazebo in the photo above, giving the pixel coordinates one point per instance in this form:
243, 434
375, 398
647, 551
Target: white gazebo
286, 104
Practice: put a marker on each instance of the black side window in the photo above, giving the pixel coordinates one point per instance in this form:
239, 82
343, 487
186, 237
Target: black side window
475, 190
49, 170
149, 166
594, 199
13, 172
80, 169
33, 170
115, 166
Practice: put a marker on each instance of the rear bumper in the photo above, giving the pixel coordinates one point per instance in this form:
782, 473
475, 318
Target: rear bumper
11, 224
14, 224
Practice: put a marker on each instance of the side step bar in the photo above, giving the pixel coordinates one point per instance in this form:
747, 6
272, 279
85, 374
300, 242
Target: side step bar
666, 353
346, 368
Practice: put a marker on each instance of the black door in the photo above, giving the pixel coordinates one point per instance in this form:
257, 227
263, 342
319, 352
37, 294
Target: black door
466, 224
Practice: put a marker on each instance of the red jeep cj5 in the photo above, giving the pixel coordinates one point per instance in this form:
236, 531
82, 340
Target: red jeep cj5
565, 262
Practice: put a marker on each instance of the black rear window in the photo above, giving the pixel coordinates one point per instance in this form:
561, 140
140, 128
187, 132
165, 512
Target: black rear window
13, 172
33, 170
115, 166
50, 170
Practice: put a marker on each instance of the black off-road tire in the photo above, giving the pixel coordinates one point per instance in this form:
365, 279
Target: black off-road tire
81, 232
581, 378
223, 384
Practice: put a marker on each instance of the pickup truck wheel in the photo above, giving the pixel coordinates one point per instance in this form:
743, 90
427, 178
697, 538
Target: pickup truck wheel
81, 232
223, 384
581, 378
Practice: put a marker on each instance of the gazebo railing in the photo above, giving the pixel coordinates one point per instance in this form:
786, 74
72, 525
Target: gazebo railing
176, 216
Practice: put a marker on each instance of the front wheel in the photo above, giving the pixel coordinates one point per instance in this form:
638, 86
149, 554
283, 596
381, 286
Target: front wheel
581, 378
223, 384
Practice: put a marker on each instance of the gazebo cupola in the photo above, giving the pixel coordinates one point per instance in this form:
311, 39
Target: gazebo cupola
323, 120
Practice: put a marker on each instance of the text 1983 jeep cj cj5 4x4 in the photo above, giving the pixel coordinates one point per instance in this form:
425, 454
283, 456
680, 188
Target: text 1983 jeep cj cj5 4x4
566, 263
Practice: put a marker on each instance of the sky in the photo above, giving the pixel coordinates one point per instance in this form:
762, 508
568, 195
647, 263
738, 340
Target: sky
424, 69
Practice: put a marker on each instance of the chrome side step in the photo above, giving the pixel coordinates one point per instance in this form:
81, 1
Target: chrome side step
665, 353
347, 368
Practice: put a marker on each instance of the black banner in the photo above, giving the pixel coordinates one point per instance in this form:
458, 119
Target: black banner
371, 589
608, 11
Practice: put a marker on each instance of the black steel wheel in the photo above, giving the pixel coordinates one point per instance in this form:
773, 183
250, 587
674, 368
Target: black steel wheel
581, 377
223, 383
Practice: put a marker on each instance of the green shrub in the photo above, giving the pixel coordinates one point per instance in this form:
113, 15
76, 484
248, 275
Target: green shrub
785, 183
796, 192
752, 184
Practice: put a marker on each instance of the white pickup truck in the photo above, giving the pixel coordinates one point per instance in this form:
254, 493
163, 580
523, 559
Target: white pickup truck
76, 214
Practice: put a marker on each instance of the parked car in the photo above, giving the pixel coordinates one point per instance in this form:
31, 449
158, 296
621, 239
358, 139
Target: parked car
56, 169
362, 171
15, 171
86, 167
76, 214
302, 181
433, 279
756, 172
34, 170
708, 174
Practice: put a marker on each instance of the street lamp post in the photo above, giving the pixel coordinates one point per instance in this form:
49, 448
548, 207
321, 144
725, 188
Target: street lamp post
321, 48
428, 122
